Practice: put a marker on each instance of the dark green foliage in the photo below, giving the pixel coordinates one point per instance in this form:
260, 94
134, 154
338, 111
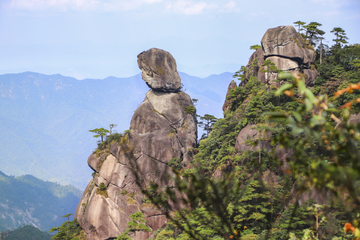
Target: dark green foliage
100, 132
340, 36
154, 193
207, 122
249, 102
338, 71
42, 199
27, 232
137, 223
190, 109
240, 75
326, 153
102, 186
175, 163
104, 147
313, 33
300, 25
67, 231
255, 47
254, 195
102, 190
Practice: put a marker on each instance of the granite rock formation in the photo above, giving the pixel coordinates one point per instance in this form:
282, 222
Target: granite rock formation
288, 50
162, 128
159, 70
227, 102
251, 133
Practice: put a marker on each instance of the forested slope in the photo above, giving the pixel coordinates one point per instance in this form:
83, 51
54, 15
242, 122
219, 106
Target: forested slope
28, 200
285, 158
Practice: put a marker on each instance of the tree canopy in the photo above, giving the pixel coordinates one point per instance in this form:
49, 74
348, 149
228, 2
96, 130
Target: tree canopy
100, 132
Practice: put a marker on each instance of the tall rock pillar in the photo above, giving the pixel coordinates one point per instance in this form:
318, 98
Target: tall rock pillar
162, 128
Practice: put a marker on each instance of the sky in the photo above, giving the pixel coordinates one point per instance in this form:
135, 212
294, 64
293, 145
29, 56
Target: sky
101, 38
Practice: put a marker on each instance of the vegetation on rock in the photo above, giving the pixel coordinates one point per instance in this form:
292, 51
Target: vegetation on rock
296, 176
69, 230
268, 193
136, 224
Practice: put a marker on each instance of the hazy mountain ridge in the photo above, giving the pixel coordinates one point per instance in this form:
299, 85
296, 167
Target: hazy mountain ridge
28, 200
46, 118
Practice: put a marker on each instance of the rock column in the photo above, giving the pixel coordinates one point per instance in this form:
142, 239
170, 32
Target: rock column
162, 128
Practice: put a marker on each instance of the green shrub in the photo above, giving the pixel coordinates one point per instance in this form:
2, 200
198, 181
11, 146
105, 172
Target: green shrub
175, 164
102, 186
190, 109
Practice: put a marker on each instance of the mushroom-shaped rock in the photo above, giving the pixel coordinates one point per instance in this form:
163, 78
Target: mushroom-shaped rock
159, 70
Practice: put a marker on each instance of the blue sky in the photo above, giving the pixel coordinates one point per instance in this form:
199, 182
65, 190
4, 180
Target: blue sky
100, 38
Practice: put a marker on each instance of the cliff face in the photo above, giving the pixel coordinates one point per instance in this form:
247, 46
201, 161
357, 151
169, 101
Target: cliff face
288, 50
162, 128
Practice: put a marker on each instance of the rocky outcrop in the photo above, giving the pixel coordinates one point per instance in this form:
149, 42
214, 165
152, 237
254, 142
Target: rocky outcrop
159, 70
250, 133
319, 196
162, 128
227, 102
285, 42
288, 50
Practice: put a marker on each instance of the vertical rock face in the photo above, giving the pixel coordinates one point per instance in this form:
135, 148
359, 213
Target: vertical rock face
162, 128
288, 50
227, 102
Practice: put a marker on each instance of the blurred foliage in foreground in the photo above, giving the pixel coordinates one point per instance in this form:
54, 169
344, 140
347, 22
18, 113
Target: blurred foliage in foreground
255, 194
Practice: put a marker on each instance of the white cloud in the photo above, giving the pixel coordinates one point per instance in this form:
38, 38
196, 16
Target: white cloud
152, 1
79, 5
332, 3
189, 7
230, 7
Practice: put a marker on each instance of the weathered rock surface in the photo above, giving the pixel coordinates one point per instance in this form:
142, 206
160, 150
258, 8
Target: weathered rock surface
227, 102
159, 70
283, 41
319, 196
162, 128
251, 133
287, 49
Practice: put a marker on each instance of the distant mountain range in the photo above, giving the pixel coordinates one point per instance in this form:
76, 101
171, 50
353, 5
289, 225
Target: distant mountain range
26, 232
45, 119
27, 200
